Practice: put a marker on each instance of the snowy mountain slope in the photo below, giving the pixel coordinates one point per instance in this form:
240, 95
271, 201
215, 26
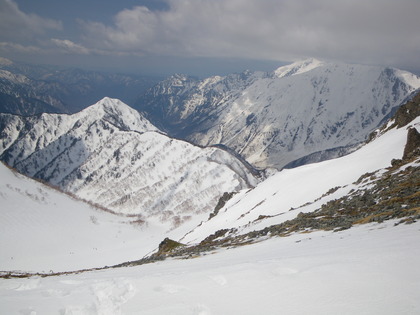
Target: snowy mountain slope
272, 119
110, 155
43, 229
307, 188
180, 104
370, 269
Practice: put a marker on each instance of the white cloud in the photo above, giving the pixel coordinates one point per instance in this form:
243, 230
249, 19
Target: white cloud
380, 31
18, 48
17, 25
70, 46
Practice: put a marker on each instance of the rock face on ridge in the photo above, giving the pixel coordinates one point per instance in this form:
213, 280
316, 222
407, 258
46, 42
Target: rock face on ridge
272, 119
407, 112
110, 155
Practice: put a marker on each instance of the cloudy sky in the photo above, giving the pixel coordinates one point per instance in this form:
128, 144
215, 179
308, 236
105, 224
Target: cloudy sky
203, 37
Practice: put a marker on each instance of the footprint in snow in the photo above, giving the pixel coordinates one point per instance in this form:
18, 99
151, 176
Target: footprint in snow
30, 284
281, 271
71, 282
110, 295
201, 309
219, 279
55, 293
170, 288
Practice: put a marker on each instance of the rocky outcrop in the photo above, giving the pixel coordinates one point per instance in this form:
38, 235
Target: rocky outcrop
412, 148
168, 245
407, 112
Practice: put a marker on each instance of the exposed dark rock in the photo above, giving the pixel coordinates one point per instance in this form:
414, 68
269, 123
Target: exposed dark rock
412, 148
212, 237
222, 201
407, 112
167, 245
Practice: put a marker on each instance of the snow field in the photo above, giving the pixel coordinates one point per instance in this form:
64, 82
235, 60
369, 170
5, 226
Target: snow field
44, 230
370, 269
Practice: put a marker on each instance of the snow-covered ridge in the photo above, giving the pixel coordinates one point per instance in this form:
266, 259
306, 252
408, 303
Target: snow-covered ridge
298, 67
273, 119
38, 132
119, 114
111, 155
410, 78
15, 78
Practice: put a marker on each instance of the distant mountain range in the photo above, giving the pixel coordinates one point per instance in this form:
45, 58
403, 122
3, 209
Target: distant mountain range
300, 113
29, 89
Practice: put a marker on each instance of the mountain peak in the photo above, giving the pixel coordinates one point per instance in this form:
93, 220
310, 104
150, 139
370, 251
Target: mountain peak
108, 103
298, 67
119, 114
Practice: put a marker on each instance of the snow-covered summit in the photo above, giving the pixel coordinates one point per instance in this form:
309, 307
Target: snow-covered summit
298, 67
119, 114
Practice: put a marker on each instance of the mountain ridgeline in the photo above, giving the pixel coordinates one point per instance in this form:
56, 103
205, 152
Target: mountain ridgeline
304, 112
110, 155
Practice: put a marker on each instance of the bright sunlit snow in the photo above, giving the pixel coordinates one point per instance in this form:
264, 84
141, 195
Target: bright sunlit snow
371, 269
292, 188
44, 230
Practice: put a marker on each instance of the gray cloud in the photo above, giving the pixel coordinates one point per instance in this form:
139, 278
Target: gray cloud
16, 25
375, 31
199, 31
